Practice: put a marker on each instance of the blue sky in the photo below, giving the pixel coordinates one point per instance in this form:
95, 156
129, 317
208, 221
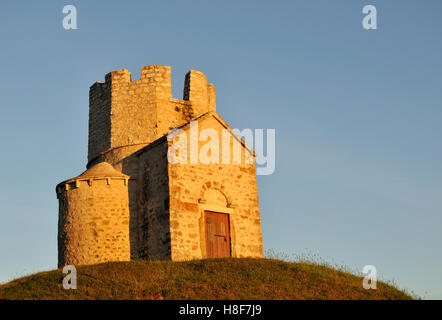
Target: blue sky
357, 115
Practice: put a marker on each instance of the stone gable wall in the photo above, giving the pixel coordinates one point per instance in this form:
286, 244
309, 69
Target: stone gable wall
191, 193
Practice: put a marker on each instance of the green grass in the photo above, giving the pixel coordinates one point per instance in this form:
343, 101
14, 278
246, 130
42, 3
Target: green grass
201, 279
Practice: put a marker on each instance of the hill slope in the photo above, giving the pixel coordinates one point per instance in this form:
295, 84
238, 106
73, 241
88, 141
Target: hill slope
200, 279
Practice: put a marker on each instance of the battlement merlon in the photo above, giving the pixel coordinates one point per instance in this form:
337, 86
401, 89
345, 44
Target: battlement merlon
198, 91
196, 88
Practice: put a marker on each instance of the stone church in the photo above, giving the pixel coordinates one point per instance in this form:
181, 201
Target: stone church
132, 202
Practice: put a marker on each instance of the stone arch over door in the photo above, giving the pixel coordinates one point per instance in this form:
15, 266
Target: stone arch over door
215, 198
214, 185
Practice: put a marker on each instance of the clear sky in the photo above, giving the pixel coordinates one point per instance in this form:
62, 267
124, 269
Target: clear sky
357, 114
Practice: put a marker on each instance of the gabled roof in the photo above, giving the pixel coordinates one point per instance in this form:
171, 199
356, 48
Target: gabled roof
203, 117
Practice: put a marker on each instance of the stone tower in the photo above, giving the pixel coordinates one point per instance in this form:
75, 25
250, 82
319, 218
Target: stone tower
94, 217
170, 208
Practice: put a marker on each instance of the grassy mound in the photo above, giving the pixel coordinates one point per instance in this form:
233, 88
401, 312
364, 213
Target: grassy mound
200, 279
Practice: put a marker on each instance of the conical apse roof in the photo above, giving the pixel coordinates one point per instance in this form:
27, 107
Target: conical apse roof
100, 170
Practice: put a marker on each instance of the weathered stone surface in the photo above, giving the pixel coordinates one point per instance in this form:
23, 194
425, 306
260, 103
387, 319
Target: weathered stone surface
94, 217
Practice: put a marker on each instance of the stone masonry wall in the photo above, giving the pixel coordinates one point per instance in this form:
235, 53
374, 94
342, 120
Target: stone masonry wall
154, 228
93, 222
99, 118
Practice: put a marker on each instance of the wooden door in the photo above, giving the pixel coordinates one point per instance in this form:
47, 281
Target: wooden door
217, 234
